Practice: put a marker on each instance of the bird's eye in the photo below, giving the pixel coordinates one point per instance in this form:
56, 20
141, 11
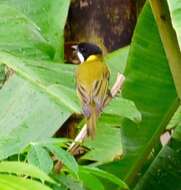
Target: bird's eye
82, 49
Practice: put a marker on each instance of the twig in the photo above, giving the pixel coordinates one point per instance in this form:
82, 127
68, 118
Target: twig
117, 85
78, 139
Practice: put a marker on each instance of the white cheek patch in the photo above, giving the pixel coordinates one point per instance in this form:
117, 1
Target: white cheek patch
80, 56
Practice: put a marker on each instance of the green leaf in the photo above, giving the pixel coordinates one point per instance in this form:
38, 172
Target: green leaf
177, 133
90, 181
69, 182
149, 84
123, 108
8, 182
117, 61
34, 25
107, 145
26, 41
169, 40
103, 174
39, 73
164, 172
51, 140
49, 16
66, 158
39, 157
175, 12
176, 119
28, 110
22, 168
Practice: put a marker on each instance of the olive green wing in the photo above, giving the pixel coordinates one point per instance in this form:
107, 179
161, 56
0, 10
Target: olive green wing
92, 96
100, 90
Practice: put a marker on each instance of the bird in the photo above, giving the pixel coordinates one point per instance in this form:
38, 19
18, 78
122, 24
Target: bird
92, 81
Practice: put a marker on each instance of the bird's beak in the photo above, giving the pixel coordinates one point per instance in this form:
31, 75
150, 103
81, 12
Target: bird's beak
74, 47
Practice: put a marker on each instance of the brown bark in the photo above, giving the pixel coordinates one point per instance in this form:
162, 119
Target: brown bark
108, 23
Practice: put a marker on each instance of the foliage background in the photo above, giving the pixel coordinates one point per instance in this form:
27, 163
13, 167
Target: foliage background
38, 96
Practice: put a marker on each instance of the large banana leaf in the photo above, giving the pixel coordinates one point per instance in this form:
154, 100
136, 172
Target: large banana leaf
149, 83
27, 30
49, 18
21, 36
165, 171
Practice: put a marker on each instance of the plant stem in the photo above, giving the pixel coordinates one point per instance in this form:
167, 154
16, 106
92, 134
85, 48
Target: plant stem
169, 40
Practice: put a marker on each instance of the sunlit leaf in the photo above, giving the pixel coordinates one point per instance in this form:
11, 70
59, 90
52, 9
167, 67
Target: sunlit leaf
22, 168
40, 157
164, 172
65, 157
176, 119
68, 182
107, 145
49, 16
149, 84
123, 108
103, 174
90, 181
8, 182
21, 36
175, 12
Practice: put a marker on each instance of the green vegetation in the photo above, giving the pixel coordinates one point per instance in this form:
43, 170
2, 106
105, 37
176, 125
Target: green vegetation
37, 96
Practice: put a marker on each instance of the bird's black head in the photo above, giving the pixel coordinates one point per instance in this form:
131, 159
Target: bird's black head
84, 50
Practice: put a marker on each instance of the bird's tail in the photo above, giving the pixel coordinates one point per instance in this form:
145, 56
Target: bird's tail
91, 125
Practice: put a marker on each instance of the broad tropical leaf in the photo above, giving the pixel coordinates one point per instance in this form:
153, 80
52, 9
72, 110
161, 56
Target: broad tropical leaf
26, 118
103, 174
49, 17
90, 181
21, 36
107, 145
164, 172
149, 84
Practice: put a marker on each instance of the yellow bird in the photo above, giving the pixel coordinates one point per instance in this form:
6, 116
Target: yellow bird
92, 77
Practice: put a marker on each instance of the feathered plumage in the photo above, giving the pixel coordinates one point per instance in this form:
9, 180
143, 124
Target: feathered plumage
92, 78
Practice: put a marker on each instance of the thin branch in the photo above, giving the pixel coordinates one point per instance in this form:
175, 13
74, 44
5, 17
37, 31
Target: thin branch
78, 139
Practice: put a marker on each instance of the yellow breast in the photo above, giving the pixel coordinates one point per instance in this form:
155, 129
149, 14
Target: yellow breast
91, 70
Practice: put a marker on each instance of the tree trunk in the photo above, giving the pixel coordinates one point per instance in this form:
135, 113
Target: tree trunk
108, 23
